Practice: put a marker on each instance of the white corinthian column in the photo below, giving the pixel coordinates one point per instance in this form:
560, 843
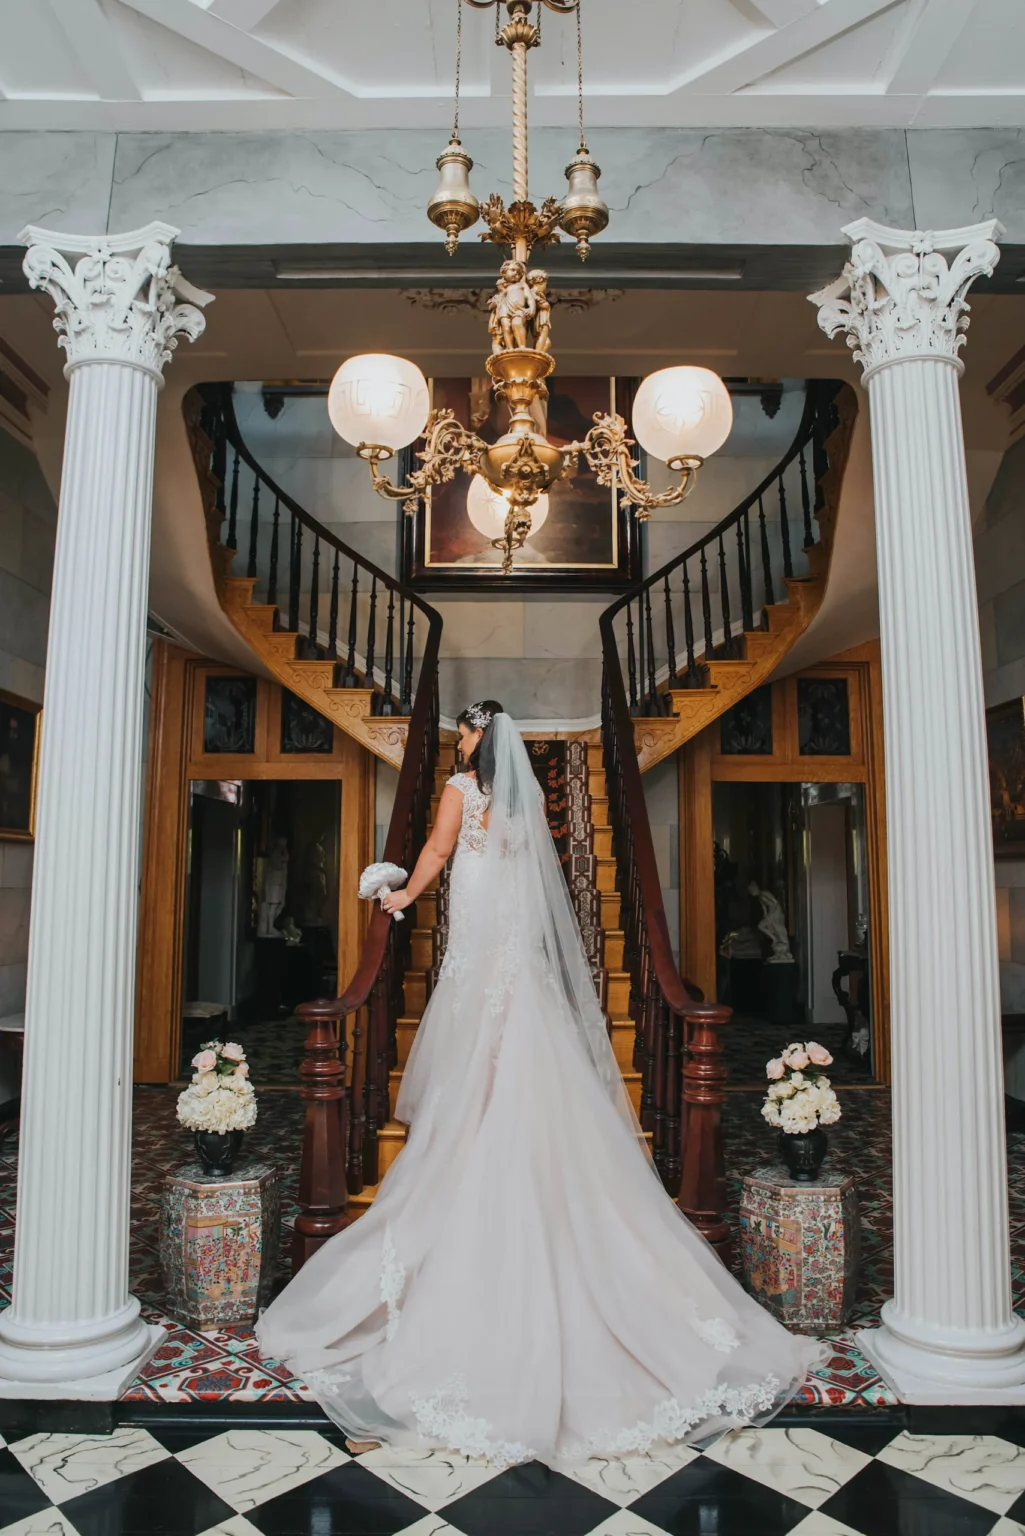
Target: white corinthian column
949, 1334
73, 1329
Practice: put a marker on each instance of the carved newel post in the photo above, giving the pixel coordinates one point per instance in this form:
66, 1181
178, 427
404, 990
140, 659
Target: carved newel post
73, 1329
949, 1333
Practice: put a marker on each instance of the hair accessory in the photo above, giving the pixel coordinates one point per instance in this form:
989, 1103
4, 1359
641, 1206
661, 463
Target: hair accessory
479, 717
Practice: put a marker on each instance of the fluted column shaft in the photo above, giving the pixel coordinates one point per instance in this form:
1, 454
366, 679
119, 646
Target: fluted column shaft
72, 1319
949, 1334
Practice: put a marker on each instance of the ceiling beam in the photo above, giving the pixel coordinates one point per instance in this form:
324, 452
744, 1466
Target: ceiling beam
249, 53
752, 60
923, 47
245, 14
97, 47
777, 13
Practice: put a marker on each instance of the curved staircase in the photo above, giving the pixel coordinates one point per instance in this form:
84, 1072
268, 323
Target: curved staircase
334, 628
715, 622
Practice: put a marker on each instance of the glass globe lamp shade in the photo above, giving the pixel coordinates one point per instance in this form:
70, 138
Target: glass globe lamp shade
378, 399
488, 509
682, 413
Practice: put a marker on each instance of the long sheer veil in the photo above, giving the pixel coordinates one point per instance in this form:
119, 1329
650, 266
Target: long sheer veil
525, 923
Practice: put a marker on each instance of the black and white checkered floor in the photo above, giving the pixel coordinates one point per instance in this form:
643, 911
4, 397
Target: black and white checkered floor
872, 1481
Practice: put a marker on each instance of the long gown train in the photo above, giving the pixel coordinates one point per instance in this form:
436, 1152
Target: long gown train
522, 1287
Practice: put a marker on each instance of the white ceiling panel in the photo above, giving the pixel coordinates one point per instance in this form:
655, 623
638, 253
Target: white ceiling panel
306, 64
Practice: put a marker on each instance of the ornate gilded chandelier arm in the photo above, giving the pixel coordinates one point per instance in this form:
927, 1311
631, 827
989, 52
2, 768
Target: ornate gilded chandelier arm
607, 450
448, 447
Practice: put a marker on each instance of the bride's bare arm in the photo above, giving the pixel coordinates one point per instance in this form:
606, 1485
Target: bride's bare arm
436, 851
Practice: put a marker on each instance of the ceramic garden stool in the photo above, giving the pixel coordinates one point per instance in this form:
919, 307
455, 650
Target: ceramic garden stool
800, 1244
219, 1237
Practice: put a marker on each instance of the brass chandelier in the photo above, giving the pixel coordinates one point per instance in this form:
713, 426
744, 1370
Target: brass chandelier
381, 404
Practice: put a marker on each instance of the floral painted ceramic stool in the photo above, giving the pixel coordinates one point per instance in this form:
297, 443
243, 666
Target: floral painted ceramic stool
219, 1237
800, 1244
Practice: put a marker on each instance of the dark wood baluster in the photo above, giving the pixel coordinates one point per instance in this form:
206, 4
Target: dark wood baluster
219, 461
387, 702
295, 570
747, 587
376, 1110
407, 676
631, 660
706, 607
703, 1183
673, 1029
332, 623
254, 527
357, 1104
724, 601
763, 534
652, 700
784, 529
323, 1204
826, 418
232, 540
368, 681
350, 651
670, 634
315, 593
809, 532
688, 625
272, 575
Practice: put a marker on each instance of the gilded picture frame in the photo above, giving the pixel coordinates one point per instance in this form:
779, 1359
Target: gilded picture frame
20, 722
589, 541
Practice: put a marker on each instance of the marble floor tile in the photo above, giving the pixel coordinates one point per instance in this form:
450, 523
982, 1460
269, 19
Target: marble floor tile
1008, 1527
981, 1468
66, 1465
625, 1523
432, 1478
625, 1478
238, 1525
48, 1522
430, 1525
818, 1524
347, 1501
805, 1464
249, 1467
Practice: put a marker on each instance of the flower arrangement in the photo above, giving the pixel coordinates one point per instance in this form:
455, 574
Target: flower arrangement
220, 1097
800, 1098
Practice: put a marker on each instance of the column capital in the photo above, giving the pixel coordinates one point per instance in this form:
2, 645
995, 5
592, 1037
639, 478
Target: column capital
121, 301
898, 296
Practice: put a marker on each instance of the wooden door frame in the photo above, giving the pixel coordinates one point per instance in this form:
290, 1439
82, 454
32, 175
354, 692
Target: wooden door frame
174, 757
701, 765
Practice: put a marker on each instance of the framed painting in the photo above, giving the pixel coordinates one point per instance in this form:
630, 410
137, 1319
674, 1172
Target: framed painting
588, 542
19, 756
1005, 735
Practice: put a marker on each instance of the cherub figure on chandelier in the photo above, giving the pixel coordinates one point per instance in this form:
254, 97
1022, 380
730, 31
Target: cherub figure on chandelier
521, 314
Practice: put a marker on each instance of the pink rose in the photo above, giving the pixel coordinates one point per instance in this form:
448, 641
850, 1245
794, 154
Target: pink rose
797, 1059
774, 1069
818, 1054
205, 1061
233, 1052
242, 1070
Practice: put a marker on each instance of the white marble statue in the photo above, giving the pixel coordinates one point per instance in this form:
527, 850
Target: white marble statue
272, 895
774, 926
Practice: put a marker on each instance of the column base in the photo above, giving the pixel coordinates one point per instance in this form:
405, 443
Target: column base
933, 1372
105, 1388
97, 1347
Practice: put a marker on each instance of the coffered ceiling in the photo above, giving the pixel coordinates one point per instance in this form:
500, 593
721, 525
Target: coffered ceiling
305, 64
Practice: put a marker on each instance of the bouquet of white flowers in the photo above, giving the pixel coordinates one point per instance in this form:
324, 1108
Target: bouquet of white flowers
800, 1097
220, 1097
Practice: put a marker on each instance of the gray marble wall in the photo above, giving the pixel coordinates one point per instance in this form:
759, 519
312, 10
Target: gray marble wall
663, 185
28, 520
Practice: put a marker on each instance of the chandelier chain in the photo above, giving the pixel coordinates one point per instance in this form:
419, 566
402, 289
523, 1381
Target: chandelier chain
459, 65
580, 79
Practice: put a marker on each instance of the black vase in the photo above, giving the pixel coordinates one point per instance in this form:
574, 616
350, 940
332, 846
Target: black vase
217, 1150
804, 1153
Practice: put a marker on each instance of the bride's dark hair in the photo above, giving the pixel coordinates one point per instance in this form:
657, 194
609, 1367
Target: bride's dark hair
482, 759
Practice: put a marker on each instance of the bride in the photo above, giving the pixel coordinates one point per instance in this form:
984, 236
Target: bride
522, 1287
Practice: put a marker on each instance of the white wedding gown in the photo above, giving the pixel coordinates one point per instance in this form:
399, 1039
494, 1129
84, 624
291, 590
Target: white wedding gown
522, 1287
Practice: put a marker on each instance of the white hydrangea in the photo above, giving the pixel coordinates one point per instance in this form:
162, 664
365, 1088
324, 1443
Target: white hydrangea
220, 1097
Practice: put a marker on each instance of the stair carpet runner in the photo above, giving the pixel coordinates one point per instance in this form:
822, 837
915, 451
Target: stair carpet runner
591, 872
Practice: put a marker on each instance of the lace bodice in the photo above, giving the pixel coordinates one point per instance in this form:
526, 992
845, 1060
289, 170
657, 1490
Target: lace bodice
473, 835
